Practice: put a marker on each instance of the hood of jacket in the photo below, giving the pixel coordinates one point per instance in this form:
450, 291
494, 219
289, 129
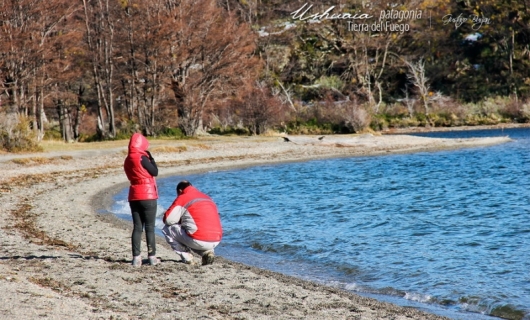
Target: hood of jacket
138, 143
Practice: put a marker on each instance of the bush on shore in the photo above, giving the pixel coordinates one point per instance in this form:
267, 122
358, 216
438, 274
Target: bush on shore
16, 135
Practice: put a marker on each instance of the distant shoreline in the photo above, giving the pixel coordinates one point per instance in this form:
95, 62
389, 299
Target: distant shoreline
459, 128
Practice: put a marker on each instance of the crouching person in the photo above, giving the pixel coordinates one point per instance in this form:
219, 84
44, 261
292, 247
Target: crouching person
192, 223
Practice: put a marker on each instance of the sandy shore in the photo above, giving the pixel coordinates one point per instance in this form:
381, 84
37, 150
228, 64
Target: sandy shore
63, 257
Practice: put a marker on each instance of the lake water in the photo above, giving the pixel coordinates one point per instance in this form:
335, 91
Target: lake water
447, 232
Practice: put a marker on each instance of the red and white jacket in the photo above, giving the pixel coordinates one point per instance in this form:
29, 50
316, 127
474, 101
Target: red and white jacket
197, 214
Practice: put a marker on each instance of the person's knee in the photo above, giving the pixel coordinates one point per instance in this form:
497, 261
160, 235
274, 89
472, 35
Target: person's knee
137, 229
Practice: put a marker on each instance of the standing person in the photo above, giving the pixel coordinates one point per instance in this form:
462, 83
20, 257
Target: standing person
141, 170
192, 222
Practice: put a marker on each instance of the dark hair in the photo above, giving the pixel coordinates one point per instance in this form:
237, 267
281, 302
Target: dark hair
183, 185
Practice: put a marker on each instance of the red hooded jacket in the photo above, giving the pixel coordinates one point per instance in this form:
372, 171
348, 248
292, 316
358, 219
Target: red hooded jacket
143, 184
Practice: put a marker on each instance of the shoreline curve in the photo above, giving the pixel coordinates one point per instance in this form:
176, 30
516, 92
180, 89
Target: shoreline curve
62, 252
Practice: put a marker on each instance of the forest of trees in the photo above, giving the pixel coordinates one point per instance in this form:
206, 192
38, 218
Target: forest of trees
101, 69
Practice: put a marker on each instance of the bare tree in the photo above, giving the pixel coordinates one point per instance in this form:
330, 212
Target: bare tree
18, 50
367, 62
211, 55
420, 81
356, 118
31, 54
259, 108
100, 19
145, 67
408, 101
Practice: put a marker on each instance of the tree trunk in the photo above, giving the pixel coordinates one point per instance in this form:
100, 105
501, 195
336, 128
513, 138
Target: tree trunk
42, 115
80, 111
65, 121
100, 127
34, 114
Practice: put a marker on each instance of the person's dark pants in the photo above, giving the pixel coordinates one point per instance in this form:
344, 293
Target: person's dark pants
144, 215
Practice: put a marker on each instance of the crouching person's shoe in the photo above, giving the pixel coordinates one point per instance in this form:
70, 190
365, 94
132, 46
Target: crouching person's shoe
208, 257
186, 257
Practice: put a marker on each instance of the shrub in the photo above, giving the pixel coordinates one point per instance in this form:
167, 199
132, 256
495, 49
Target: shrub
16, 135
525, 113
53, 132
379, 123
356, 117
312, 126
89, 138
330, 82
172, 133
442, 119
516, 111
229, 130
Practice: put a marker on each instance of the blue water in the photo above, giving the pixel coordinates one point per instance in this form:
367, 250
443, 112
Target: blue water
447, 232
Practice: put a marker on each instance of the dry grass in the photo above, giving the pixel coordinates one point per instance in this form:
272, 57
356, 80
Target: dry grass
32, 160
48, 282
169, 149
25, 222
120, 147
40, 160
203, 146
54, 145
165, 144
